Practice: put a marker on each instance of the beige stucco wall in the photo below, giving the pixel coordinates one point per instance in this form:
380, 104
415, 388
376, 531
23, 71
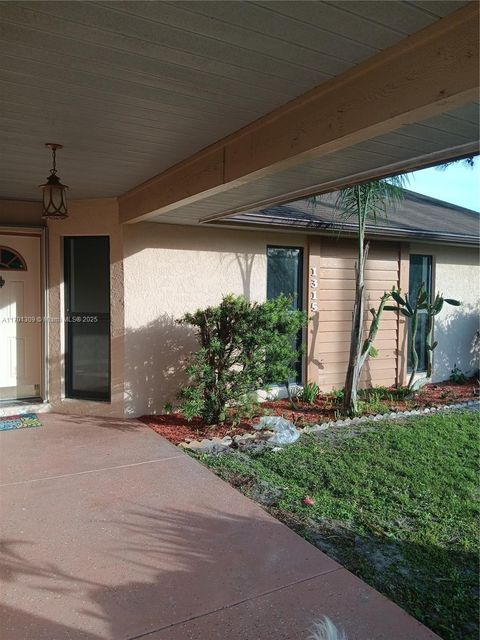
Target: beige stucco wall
86, 217
169, 270
456, 275
21, 213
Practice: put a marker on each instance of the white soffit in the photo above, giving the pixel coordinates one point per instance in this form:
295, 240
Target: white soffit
457, 131
131, 88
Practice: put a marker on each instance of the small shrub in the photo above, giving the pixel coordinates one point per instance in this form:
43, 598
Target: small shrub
373, 405
457, 375
337, 394
244, 346
310, 392
248, 409
383, 393
167, 407
400, 393
376, 399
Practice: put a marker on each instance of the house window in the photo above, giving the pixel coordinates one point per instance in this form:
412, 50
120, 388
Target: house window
285, 275
420, 273
87, 315
11, 260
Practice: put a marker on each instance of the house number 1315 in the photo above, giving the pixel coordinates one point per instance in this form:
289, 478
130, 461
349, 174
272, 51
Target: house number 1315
313, 289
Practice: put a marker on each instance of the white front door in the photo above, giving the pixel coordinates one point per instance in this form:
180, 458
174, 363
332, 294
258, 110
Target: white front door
20, 317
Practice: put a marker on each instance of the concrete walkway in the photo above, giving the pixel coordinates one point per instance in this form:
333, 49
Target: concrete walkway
110, 532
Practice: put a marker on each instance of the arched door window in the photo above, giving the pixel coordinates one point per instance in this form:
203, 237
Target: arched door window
11, 260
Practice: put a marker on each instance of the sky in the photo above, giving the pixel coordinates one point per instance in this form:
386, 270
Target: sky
457, 184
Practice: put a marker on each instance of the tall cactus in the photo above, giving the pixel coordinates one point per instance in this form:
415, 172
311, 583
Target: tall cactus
368, 348
411, 310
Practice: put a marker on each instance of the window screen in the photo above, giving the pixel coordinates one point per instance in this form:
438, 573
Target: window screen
420, 272
284, 275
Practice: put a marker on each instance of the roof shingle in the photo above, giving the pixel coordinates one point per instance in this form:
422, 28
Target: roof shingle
416, 215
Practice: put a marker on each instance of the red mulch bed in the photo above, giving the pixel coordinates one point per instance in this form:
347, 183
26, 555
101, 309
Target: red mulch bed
176, 428
446, 393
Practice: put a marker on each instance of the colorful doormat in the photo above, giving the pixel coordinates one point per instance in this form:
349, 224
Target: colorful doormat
19, 422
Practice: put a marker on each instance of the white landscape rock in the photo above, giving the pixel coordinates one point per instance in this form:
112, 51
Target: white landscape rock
244, 438
285, 431
208, 446
318, 427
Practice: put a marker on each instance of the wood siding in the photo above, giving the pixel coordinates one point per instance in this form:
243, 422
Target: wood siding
330, 326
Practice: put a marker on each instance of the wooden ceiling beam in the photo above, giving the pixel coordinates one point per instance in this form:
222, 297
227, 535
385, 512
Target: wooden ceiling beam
433, 71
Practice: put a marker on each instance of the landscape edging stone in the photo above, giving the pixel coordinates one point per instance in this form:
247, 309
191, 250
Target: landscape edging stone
218, 445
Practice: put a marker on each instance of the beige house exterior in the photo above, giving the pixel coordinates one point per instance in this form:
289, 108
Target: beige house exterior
176, 119
160, 271
456, 329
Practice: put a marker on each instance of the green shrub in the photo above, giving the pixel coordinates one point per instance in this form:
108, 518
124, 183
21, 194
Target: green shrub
244, 346
374, 403
400, 393
337, 395
457, 375
167, 407
310, 392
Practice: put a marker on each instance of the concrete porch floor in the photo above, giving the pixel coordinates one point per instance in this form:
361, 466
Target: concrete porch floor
110, 532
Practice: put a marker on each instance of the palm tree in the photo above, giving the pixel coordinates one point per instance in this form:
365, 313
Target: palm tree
364, 202
467, 162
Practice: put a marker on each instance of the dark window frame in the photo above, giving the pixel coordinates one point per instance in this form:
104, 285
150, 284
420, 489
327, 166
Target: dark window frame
301, 304
422, 363
70, 392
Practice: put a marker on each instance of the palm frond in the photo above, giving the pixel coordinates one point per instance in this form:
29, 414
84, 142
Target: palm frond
348, 200
467, 162
369, 200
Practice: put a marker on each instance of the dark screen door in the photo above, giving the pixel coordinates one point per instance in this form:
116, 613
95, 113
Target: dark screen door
87, 317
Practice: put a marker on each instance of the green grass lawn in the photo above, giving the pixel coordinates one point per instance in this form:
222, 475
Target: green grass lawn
396, 503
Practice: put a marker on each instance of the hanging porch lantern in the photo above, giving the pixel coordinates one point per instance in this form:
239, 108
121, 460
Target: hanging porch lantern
54, 192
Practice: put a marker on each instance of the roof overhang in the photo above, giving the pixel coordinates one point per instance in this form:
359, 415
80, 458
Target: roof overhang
411, 105
285, 98
344, 229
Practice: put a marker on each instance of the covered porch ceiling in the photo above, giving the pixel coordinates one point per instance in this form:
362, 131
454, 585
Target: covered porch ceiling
190, 111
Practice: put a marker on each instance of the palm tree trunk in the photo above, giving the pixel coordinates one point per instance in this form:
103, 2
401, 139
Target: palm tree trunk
362, 201
354, 364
